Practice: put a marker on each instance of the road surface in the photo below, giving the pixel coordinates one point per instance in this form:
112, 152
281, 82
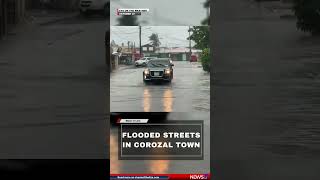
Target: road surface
53, 82
266, 95
188, 92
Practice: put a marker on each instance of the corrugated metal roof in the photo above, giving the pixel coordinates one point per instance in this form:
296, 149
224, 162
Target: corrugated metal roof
177, 50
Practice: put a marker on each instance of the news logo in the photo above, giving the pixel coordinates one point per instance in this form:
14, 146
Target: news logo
131, 12
199, 176
159, 176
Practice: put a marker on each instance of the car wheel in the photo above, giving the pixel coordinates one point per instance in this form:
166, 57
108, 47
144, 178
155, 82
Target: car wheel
145, 81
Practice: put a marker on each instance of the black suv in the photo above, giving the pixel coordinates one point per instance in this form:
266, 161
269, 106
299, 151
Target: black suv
158, 69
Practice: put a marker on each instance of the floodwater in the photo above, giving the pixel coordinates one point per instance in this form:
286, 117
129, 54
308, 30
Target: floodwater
189, 90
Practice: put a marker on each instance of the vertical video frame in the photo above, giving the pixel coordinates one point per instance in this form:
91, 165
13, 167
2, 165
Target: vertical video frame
159, 89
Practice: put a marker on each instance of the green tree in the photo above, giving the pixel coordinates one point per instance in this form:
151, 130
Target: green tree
128, 21
200, 35
205, 59
308, 15
154, 38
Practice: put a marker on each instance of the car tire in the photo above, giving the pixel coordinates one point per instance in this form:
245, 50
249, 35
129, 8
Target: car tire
145, 81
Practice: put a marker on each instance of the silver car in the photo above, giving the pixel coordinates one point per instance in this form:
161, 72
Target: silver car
143, 61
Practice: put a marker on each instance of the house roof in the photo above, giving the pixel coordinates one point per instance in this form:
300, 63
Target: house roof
177, 50
147, 45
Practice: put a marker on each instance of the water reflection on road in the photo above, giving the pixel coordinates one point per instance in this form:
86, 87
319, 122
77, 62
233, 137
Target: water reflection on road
146, 100
188, 91
115, 164
167, 100
159, 166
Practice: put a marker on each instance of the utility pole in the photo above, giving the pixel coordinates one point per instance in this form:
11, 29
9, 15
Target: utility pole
128, 45
155, 16
134, 51
190, 52
140, 41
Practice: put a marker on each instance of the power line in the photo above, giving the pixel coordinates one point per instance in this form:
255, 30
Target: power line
146, 32
170, 37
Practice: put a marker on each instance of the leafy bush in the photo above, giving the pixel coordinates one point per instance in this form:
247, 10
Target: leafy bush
205, 59
308, 15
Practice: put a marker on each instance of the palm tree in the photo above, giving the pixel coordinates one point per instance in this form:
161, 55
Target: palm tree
154, 38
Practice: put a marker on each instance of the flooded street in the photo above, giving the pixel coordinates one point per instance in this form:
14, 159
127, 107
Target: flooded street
50, 94
267, 73
188, 92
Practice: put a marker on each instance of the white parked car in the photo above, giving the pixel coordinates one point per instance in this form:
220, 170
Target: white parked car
143, 61
88, 6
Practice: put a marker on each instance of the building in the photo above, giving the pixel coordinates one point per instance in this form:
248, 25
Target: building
148, 49
177, 53
11, 13
114, 59
125, 55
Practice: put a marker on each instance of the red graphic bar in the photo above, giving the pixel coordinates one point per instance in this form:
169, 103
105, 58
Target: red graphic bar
160, 176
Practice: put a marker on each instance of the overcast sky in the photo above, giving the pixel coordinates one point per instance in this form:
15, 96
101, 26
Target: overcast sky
163, 12
170, 36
